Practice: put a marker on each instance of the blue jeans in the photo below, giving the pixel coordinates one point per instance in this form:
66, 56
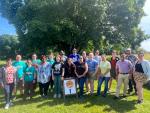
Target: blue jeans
8, 89
81, 82
100, 82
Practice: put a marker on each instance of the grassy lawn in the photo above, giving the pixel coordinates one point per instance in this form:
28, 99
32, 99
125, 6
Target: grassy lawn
90, 104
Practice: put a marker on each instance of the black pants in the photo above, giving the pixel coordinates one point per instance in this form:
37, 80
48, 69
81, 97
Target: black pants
28, 89
132, 84
43, 87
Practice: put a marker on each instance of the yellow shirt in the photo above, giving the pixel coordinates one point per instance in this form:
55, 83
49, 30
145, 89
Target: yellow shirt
104, 66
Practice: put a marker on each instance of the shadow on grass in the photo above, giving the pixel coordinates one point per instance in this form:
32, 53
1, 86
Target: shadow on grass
108, 104
120, 106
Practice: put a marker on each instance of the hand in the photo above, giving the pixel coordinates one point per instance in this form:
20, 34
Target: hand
33, 81
53, 77
116, 77
97, 77
62, 78
1, 85
21, 78
79, 76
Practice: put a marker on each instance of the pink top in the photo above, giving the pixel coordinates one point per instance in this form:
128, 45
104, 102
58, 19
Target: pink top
124, 66
10, 74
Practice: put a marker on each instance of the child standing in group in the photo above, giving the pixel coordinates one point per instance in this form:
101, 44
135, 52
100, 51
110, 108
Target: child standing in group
44, 74
29, 80
57, 75
8, 81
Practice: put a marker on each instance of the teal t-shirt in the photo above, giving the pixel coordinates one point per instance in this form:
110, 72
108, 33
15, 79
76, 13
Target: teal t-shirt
20, 65
29, 74
36, 61
51, 61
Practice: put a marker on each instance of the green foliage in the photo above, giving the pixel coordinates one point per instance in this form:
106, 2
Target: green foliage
65, 24
9, 46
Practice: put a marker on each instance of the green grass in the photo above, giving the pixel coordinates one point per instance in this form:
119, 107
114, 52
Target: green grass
147, 56
90, 104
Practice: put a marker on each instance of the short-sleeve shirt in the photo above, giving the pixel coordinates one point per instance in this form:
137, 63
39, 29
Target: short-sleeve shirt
57, 68
98, 59
20, 65
80, 68
132, 59
75, 57
69, 70
124, 66
104, 66
37, 62
113, 62
51, 61
92, 64
29, 77
10, 71
44, 72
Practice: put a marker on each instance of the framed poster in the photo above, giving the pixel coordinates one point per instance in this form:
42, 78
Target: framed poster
69, 87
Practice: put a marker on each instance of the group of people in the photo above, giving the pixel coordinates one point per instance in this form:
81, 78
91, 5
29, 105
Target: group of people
50, 71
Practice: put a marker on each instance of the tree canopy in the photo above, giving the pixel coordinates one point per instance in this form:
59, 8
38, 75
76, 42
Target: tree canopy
64, 24
9, 46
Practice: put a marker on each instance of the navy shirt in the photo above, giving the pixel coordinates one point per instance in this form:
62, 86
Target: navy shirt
75, 57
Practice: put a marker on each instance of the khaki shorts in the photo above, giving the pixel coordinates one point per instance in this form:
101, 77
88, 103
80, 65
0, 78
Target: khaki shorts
91, 76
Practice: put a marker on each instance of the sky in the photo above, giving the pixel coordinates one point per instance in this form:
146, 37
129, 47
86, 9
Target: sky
145, 25
7, 28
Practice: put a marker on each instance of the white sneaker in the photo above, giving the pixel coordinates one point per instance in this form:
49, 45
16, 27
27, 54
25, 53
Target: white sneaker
6, 106
59, 95
54, 96
11, 104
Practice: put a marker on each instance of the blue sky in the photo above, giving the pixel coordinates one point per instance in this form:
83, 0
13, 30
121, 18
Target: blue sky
7, 28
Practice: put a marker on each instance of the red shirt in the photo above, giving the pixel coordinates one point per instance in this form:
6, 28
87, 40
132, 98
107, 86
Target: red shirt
113, 64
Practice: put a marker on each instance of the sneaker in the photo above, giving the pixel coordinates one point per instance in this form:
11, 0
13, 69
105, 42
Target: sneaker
124, 96
54, 96
115, 98
11, 104
103, 95
7, 106
30, 98
45, 96
59, 95
139, 101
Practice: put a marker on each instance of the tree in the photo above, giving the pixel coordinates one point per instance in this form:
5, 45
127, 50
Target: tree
9, 46
65, 24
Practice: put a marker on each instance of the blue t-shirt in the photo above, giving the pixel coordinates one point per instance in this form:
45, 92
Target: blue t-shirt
92, 64
29, 74
20, 65
75, 57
